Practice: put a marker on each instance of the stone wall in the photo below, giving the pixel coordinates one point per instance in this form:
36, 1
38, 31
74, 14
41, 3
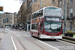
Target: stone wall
44, 3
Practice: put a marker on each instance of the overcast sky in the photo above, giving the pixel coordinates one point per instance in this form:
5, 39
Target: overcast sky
10, 5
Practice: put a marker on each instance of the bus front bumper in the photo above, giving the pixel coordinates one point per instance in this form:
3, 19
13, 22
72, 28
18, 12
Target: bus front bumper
50, 37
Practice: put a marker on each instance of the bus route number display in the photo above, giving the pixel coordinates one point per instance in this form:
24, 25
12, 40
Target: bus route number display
52, 19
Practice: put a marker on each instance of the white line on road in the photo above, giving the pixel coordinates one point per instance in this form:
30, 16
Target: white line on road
13, 43
66, 42
48, 45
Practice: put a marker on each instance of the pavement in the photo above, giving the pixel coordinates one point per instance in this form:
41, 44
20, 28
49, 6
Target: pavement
1, 39
7, 43
2, 35
69, 38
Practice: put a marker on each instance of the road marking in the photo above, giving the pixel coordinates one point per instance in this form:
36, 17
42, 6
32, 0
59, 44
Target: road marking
13, 43
48, 45
66, 42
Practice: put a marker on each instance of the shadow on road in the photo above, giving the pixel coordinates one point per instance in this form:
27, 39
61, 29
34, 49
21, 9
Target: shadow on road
52, 40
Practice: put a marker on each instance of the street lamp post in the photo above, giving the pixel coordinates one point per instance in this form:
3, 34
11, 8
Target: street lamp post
65, 15
70, 13
70, 20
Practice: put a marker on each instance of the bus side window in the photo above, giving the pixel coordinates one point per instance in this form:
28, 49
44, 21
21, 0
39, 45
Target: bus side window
34, 26
41, 26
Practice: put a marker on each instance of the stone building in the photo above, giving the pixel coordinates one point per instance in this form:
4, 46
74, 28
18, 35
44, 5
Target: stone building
22, 14
25, 12
44, 3
72, 12
15, 19
6, 19
70, 7
70, 19
18, 18
31, 6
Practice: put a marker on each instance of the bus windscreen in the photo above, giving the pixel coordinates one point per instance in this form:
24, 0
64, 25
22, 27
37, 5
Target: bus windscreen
52, 27
51, 11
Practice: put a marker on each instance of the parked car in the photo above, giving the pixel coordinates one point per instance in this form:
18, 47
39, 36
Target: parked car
2, 27
20, 28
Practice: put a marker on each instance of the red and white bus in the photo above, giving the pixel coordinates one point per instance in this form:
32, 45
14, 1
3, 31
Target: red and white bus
46, 23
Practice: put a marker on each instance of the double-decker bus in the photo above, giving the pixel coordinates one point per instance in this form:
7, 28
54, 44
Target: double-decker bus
46, 23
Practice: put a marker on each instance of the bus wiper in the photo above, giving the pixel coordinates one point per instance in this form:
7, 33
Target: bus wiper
50, 28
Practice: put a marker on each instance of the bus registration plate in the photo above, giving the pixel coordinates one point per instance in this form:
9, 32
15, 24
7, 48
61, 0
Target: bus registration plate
52, 37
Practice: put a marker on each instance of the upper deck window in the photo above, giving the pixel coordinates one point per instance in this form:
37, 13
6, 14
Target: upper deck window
51, 11
37, 14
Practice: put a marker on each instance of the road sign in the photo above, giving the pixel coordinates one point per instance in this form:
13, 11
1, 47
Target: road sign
1, 12
1, 8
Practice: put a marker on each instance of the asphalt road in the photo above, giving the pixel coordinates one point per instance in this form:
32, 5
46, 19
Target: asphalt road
21, 40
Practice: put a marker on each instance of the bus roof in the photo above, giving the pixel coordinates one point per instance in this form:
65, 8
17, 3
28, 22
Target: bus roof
46, 7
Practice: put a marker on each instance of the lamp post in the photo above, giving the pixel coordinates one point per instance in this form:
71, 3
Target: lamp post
70, 13
65, 15
70, 19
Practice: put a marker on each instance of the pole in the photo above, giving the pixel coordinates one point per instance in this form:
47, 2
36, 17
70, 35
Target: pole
40, 4
65, 15
70, 17
70, 22
4, 29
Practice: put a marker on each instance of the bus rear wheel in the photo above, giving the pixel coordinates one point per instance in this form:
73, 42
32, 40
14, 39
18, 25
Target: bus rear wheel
38, 35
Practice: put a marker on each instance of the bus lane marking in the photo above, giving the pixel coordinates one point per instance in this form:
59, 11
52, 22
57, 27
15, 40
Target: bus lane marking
66, 42
48, 45
13, 43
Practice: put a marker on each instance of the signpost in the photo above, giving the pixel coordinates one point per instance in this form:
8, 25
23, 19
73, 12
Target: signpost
1, 8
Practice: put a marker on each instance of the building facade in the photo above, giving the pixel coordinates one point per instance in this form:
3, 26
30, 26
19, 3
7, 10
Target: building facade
70, 13
30, 6
18, 17
70, 7
44, 3
15, 19
6, 19
34, 5
25, 12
